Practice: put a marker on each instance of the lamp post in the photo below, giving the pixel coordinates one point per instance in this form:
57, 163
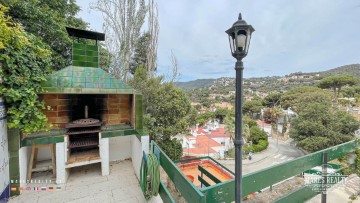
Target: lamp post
239, 39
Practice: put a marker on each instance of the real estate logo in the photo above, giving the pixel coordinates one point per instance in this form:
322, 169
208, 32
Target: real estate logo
324, 178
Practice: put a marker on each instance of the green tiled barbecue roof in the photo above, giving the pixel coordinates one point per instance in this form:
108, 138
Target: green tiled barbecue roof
84, 80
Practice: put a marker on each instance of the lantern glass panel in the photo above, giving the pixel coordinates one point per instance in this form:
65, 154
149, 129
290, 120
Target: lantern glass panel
240, 41
231, 42
247, 43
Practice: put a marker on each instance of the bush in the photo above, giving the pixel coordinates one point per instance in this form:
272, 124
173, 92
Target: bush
262, 145
172, 148
256, 134
357, 162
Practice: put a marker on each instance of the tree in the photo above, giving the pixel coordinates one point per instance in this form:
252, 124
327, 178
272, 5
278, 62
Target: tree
351, 91
284, 127
123, 23
205, 117
191, 117
140, 52
24, 63
47, 19
167, 109
300, 97
104, 58
220, 114
256, 134
336, 82
253, 106
229, 121
320, 126
153, 26
272, 99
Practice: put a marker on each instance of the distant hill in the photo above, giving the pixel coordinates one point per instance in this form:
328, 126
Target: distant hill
195, 84
352, 69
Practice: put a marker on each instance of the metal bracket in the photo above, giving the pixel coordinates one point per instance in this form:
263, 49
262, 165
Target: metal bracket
238, 142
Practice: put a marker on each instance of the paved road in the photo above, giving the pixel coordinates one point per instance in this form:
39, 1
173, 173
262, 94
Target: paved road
275, 154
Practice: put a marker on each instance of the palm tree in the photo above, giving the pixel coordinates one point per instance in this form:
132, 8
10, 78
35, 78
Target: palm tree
230, 127
276, 112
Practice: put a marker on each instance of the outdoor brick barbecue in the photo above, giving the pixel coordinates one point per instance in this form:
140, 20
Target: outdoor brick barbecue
87, 108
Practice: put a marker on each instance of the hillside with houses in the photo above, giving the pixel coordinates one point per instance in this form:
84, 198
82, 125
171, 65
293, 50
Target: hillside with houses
220, 93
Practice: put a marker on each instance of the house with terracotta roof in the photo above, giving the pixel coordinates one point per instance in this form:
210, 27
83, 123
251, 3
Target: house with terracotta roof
201, 145
208, 140
264, 126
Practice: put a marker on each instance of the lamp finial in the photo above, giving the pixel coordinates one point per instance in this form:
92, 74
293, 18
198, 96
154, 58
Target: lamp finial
240, 18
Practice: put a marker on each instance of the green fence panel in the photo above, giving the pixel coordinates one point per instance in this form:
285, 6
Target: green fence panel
191, 159
208, 174
306, 192
165, 194
203, 181
298, 196
261, 179
186, 188
222, 192
222, 166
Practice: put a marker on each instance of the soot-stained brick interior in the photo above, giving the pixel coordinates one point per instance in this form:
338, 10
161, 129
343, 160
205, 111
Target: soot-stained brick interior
110, 109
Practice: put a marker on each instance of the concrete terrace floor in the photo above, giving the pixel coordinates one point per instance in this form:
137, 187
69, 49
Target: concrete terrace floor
86, 185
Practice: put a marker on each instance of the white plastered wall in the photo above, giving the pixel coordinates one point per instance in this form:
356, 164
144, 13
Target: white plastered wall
104, 154
62, 173
138, 147
24, 156
119, 148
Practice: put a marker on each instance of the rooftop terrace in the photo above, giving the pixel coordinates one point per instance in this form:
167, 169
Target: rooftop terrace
86, 184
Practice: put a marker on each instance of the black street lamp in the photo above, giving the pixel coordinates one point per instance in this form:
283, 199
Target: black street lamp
239, 39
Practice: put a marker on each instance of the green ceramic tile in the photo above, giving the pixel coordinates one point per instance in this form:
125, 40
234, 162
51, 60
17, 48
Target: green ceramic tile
79, 85
93, 59
79, 58
77, 63
78, 79
92, 64
92, 53
91, 47
14, 167
79, 46
89, 85
16, 185
81, 52
13, 140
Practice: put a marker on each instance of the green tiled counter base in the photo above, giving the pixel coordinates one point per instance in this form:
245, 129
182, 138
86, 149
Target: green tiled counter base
42, 140
14, 145
30, 141
116, 133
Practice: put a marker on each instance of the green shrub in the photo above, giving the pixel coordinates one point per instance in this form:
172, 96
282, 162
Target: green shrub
256, 134
172, 148
262, 145
357, 162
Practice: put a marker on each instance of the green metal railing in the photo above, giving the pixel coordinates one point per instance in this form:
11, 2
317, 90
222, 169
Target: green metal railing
224, 191
185, 187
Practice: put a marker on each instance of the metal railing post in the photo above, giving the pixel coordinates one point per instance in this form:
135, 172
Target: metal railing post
324, 178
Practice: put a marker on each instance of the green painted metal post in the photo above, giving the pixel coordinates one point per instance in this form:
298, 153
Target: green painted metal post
324, 178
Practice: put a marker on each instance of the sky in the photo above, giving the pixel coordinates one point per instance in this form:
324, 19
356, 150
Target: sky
290, 35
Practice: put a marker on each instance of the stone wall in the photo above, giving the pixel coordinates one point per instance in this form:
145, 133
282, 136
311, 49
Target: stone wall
111, 109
